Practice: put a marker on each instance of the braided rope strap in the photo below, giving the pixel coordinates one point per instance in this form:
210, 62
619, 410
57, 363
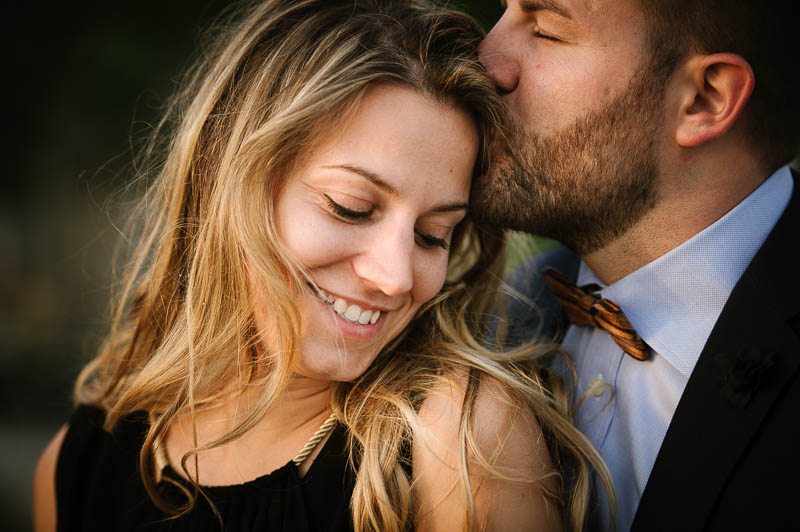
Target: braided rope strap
314, 440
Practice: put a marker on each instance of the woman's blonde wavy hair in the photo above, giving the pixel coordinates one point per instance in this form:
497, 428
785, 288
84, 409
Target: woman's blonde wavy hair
279, 79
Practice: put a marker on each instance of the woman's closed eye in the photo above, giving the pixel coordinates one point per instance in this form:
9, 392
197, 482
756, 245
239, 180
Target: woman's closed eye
350, 214
428, 241
423, 239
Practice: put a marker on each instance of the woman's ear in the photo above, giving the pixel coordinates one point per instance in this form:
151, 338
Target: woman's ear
712, 90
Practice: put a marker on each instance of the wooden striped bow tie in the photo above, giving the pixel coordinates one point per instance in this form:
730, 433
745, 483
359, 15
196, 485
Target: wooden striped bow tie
586, 309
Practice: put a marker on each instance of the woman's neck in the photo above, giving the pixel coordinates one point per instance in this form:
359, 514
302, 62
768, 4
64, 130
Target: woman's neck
305, 401
271, 443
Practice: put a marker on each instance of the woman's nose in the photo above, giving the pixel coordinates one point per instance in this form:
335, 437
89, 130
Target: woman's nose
494, 54
387, 265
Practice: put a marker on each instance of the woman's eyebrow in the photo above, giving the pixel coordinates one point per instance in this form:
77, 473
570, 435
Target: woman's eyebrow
372, 177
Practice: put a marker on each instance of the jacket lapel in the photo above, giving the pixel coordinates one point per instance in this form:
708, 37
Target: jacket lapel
750, 356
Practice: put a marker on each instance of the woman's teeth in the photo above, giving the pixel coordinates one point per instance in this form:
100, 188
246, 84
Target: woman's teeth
350, 312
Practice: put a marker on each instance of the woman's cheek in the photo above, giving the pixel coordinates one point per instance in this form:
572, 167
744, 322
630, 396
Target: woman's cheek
320, 241
430, 277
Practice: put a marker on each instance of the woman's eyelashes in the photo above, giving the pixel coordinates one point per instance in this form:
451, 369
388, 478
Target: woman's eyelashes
354, 215
427, 240
423, 239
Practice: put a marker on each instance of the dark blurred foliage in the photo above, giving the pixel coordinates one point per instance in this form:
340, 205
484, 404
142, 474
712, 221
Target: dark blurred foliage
84, 83
87, 79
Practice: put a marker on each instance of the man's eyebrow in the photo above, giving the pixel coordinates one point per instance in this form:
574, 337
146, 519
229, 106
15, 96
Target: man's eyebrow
372, 177
450, 207
529, 6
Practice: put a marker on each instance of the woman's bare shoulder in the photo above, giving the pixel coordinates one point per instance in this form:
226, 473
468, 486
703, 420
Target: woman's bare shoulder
509, 465
44, 484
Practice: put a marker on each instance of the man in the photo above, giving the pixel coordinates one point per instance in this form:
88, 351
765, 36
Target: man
651, 139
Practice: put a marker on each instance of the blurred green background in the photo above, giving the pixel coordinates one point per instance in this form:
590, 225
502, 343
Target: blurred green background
86, 81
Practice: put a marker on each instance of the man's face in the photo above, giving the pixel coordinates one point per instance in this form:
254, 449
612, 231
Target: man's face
582, 162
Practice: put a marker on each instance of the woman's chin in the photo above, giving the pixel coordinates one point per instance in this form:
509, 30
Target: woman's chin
344, 369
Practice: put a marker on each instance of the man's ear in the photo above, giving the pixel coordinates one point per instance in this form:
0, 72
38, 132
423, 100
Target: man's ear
712, 91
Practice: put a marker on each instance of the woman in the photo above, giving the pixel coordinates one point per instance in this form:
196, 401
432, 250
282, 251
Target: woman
306, 280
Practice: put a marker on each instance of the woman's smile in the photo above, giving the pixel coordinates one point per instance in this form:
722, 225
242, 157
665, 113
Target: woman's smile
361, 313
350, 319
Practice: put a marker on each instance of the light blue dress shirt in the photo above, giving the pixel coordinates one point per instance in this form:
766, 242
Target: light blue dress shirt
673, 303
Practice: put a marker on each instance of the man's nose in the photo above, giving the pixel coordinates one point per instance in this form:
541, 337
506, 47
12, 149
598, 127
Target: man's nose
387, 266
502, 67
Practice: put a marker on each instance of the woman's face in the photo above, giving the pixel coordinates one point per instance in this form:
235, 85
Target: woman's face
370, 212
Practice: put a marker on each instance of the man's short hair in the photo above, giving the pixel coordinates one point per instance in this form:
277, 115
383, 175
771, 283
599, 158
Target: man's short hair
764, 33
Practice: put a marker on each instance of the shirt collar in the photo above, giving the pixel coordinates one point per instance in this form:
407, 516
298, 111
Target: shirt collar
674, 301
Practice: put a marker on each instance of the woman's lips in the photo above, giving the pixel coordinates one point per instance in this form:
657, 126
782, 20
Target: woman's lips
352, 312
353, 329
351, 318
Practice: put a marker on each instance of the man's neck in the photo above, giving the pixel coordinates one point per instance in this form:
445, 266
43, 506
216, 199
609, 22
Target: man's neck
685, 208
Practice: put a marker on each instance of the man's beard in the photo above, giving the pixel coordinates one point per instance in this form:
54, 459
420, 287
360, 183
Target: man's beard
584, 185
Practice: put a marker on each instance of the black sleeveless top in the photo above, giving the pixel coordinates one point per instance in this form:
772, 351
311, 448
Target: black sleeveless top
98, 487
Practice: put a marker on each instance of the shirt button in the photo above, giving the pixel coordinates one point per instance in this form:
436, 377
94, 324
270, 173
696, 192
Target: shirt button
597, 387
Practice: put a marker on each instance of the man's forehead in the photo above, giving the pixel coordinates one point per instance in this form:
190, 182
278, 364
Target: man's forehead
558, 6
566, 8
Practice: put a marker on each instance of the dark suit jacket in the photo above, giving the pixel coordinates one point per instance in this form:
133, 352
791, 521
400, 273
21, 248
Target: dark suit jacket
731, 457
